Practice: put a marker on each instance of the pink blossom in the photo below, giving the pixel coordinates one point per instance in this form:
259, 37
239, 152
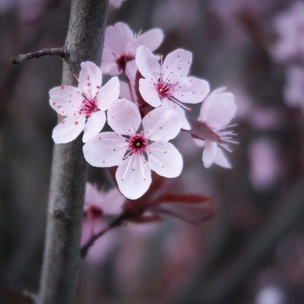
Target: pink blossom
116, 3
85, 106
216, 112
290, 28
129, 153
294, 89
120, 46
167, 83
99, 204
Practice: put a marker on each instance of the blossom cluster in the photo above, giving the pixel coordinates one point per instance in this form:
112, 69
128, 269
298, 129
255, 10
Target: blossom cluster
144, 113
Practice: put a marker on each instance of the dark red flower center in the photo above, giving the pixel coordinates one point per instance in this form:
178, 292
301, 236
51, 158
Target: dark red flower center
94, 212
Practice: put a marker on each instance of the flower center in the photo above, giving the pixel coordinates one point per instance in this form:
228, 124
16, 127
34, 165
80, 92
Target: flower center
164, 89
88, 107
123, 60
137, 143
93, 212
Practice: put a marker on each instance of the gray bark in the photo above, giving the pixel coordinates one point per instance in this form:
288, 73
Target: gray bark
62, 253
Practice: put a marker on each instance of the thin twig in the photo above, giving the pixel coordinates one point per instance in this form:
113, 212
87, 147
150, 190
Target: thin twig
61, 52
115, 223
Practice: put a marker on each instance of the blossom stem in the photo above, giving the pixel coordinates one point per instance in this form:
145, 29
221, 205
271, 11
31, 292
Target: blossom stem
115, 223
61, 52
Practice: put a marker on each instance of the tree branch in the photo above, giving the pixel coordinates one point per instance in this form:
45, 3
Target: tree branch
61, 52
69, 169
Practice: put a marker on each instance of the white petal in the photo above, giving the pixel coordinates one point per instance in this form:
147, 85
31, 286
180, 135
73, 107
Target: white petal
108, 94
199, 142
89, 78
148, 93
124, 117
65, 100
177, 65
108, 63
164, 159
161, 124
106, 149
68, 129
94, 125
133, 177
117, 37
191, 90
184, 124
220, 159
218, 109
151, 39
147, 64
209, 153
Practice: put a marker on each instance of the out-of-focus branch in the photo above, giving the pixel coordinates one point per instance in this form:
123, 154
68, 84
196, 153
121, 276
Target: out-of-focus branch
289, 213
115, 223
62, 255
61, 52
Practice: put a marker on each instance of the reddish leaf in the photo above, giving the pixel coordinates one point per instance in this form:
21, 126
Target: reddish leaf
145, 219
180, 198
193, 214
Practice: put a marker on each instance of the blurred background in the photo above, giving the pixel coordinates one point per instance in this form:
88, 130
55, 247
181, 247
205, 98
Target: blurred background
252, 249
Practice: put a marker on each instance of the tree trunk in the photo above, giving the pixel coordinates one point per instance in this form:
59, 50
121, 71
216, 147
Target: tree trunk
65, 210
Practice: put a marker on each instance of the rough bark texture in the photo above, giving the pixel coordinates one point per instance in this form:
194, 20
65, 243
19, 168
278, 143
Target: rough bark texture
62, 253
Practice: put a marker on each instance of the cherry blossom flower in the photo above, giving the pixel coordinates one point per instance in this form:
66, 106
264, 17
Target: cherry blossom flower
97, 205
116, 3
290, 28
128, 148
294, 88
120, 46
167, 84
85, 106
216, 112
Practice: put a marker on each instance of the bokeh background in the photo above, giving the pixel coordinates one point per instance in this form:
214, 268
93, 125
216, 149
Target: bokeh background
252, 250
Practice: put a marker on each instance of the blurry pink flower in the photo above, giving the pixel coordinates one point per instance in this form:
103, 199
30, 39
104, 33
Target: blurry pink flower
290, 28
167, 83
97, 205
216, 112
294, 89
266, 166
120, 46
109, 149
116, 3
84, 106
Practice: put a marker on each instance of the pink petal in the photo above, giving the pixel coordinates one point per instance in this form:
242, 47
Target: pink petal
133, 176
220, 159
218, 109
191, 90
108, 94
164, 159
151, 39
65, 100
209, 153
147, 64
199, 142
108, 63
176, 65
184, 124
161, 124
106, 149
117, 37
89, 78
148, 93
94, 125
124, 117
68, 129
